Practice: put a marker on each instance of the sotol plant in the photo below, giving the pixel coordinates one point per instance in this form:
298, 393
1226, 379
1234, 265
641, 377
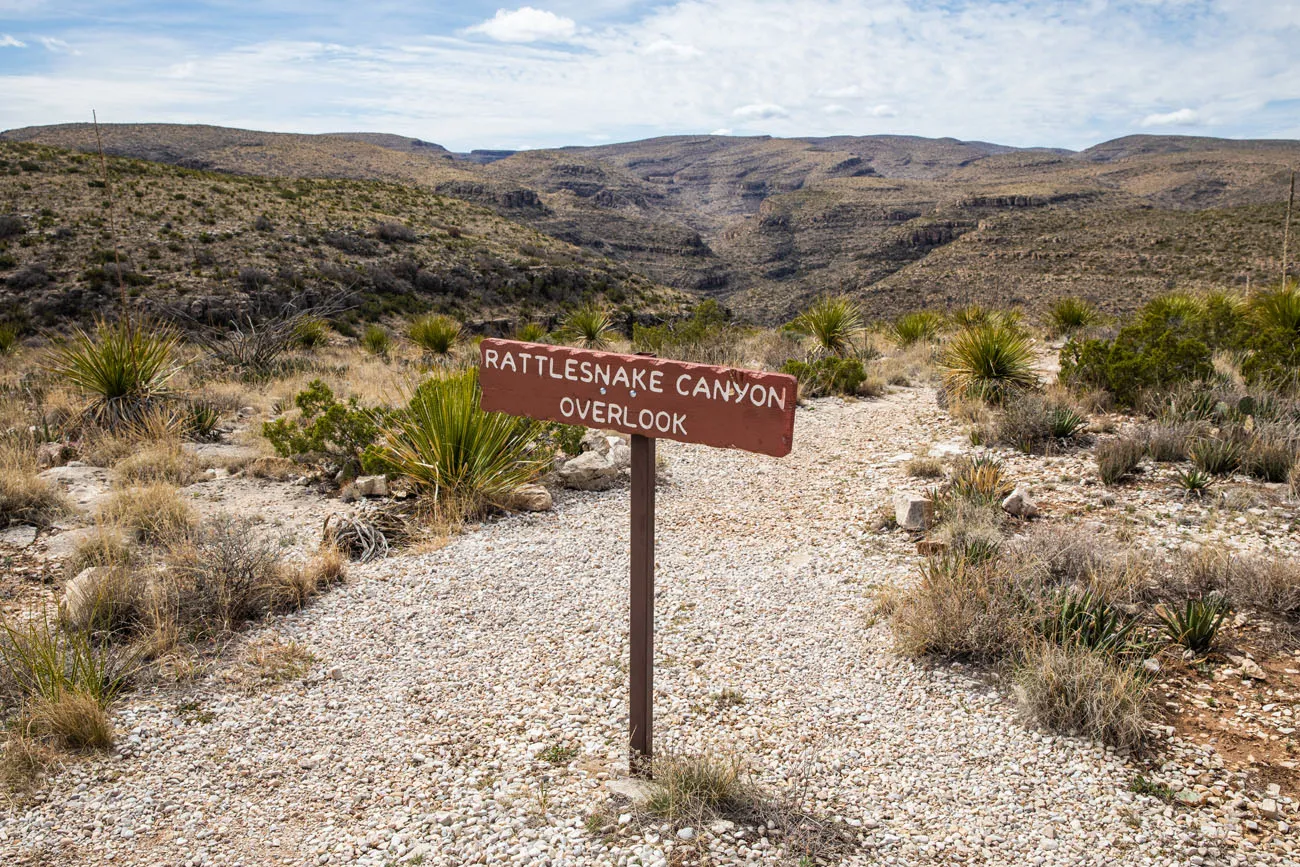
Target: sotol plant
588, 326
915, 327
990, 362
123, 366
1068, 315
835, 323
436, 335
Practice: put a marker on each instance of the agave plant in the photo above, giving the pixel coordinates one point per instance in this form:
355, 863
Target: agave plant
1194, 482
1195, 625
916, 327
589, 326
437, 335
463, 457
1068, 315
833, 322
123, 366
979, 480
1084, 619
989, 362
1218, 457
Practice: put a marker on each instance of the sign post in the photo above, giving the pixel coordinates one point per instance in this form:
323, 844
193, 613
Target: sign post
648, 398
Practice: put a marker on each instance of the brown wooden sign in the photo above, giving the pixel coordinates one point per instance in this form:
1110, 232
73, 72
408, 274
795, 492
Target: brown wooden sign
726, 407
648, 398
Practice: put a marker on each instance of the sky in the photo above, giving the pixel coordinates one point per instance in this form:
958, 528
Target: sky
1062, 73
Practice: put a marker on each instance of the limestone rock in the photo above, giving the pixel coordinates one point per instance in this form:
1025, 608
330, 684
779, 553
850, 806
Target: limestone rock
589, 471
635, 790
81, 595
85, 485
530, 498
52, 454
371, 486
1249, 668
18, 537
913, 511
1020, 504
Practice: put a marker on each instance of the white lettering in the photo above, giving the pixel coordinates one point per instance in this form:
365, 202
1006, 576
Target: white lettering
583, 410
621, 373
569, 367
657, 381
645, 419
554, 375
685, 377
701, 387
722, 390
567, 413
598, 411
638, 379
773, 399
490, 357
756, 394
663, 422
615, 413
508, 361
602, 373
679, 423
523, 357
740, 391
586, 371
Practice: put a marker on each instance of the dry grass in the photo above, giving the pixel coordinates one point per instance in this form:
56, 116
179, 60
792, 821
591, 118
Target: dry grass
1118, 458
1269, 585
960, 609
154, 514
75, 720
273, 469
24, 761
695, 789
269, 662
1083, 692
25, 498
164, 462
104, 546
925, 468
222, 575
299, 584
117, 599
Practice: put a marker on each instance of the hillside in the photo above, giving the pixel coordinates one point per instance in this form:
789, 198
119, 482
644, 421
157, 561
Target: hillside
764, 224
218, 246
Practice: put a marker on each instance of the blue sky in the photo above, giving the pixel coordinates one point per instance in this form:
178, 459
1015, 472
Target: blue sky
1067, 73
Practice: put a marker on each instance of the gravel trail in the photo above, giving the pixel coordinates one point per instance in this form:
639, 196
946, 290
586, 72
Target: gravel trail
441, 679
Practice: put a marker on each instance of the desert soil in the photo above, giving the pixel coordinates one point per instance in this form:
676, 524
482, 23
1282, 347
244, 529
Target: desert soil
420, 733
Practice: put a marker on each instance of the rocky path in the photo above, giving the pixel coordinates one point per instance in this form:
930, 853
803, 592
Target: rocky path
444, 681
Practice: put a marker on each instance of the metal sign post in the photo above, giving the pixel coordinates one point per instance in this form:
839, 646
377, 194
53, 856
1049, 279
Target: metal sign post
648, 398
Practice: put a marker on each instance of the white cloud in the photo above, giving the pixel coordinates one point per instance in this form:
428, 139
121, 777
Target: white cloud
58, 46
668, 48
836, 109
883, 111
843, 92
7, 41
526, 24
760, 111
721, 131
1182, 117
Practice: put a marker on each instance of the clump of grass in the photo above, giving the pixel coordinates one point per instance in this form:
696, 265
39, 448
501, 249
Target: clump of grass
124, 367
75, 719
164, 462
26, 498
436, 335
1068, 315
1084, 618
103, 546
114, 600
223, 575
154, 514
925, 468
1166, 443
558, 755
960, 609
1215, 456
1269, 458
699, 788
8, 339
1031, 421
461, 456
834, 322
989, 361
1266, 584
311, 332
1118, 458
1086, 692
376, 340
299, 584
1195, 625
201, 420
588, 326
912, 328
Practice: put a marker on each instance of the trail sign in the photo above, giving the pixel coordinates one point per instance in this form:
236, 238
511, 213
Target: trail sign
649, 398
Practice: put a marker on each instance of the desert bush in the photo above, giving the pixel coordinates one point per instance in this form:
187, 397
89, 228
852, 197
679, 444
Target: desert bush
376, 340
829, 375
103, 546
1031, 421
1269, 458
1058, 557
925, 468
834, 322
912, 328
707, 337
1118, 458
74, 719
299, 584
589, 327
990, 362
8, 338
125, 367
276, 469
970, 531
223, 575
1293, 480
1166, 443
1266, 584
436, 335
960, 609
26, 498
1215, 456
395, 233
1075, 690
1067, 315
1196, 624
338, 431
311, 332
697, 789
11, 226
154, 514
451, 449
161, 462
201, 419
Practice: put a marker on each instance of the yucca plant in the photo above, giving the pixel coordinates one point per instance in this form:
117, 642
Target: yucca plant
915, 327
124, 367
834, 322
1278, 310
436, 335
1069, 314
1194, 482
1084, 619
1195, 625
311, 332
979, 480
202, 419
1218, 457
971, 314
1064, 421
989, 362
531, 332
588, 326
463, 457
376, 340
8, 338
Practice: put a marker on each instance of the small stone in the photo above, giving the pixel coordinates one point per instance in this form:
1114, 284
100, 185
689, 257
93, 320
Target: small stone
1019, 504
636, 791
686, 834
530, 498
371, 486
1269, 810
1248, 667
589, 471
1151, 665
913, 511
18, 537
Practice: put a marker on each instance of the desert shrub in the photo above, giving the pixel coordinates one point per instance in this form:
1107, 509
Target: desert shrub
828, 375
706, 337
1067, 315
978, 480
161, 462
311, 332
1266, 584
925, 468
222, 575
26, 498
696, 789
1075, 690
376, 340
1084, 618
44, 662
110, 600
1216, 456
1194, 482
452, 450
960, 609
1118, 458
1269, 458
1293, 480
533, 332
1056, 557
396, 232
970, 532
834, 322
589, 327
11, 226
1031, 421
1196, 624
8, 338
436, 335
125, 367
153, 514
916, 327
1166, 443
328, 428
103, 546
990, 362
566, 438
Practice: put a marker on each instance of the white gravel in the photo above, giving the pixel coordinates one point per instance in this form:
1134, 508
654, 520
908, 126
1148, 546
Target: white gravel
441, 677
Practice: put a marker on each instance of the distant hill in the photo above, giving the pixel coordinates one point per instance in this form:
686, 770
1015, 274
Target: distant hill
764, 224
